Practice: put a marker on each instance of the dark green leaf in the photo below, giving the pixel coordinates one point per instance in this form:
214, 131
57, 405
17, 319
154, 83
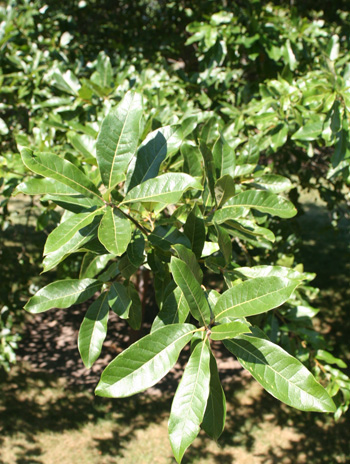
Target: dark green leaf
215, 413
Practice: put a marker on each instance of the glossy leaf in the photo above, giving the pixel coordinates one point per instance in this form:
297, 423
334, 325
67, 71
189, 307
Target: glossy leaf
224, 243
192, 290
154, 149
44, 186
80, 238
190, 259
54, 167
67, 229
228, 330
164, 237
118, 139
165, 189
62, 294
194, 228
114, 231
224, 158
93, 264
190, 401
119, 300
273, 183
254, 297
215, 413
93, 330
174, 310
224, 189
260, 200
280, 374
145, 362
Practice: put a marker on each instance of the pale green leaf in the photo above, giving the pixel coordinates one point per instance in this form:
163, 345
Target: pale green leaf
228, 330
54, 167
79, 239
224, 158
145, 362
190, 401
62, 294
265, 202
280, 374
93, 330
192, 290
165, 189
175, 310
119, 300
114, 231
67, 229
254, 297
190, 259
118, 139
93, 264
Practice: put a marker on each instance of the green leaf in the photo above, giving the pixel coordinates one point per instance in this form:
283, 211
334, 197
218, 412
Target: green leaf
280, 374
93, 330
43, 187
165, 237
310, 131
62, 294
260, 200
279, 136
136, 249
209, 167
192, 290
165, 189
254, 297
174, 310
194, 228
154, 149
190, 259
273, 183
119, 300
54, 167
84, 144
192, 159
224, 189
215, 413
93, 264
118, 139
190, 401
269, 271
114, 231
79, 239
228, 330
135, 310
225, 243
224, 158
67, 229
145, 362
